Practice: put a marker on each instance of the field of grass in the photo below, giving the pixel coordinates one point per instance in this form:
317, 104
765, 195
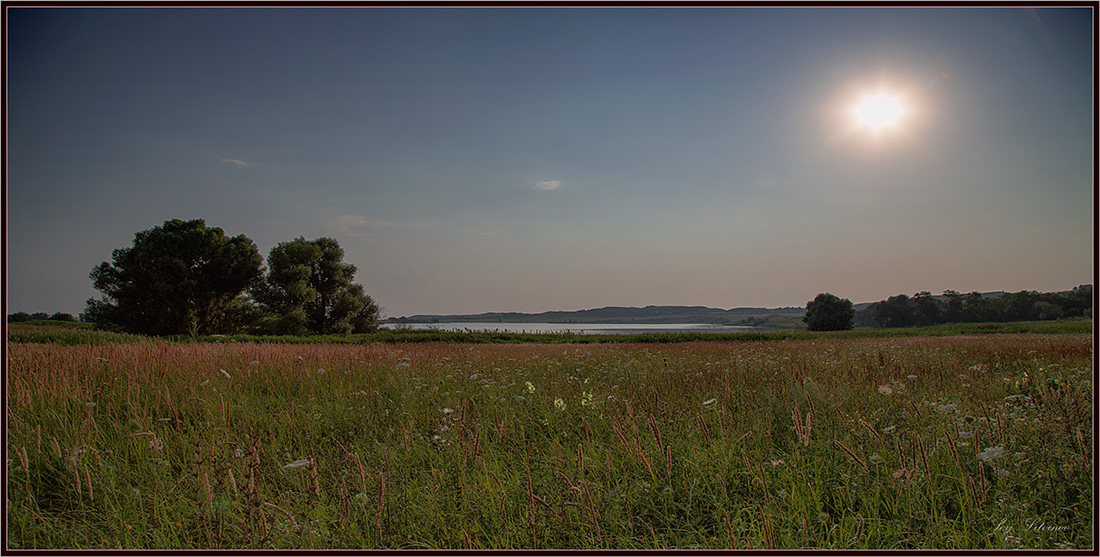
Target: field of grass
971, 441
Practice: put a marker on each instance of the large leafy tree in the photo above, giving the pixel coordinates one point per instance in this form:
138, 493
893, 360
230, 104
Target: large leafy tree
182, 277
829, 313
308, 289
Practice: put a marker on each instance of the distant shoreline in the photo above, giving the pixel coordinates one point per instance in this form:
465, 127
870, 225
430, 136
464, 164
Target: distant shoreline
612, 315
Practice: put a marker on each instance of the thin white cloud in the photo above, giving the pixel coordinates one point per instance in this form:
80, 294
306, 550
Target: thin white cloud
237, 163
355, 225
490, 233
551, 185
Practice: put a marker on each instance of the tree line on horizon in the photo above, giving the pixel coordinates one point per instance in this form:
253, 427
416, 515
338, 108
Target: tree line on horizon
828, 312
186, 278
952, 307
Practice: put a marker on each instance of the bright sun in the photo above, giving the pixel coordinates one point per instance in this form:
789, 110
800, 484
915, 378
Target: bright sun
878, 111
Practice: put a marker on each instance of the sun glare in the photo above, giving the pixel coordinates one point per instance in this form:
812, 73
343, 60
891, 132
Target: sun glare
879, 111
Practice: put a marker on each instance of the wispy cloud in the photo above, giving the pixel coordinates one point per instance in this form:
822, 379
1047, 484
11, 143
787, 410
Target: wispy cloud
551, 185
355, 225
237, 163
490, 233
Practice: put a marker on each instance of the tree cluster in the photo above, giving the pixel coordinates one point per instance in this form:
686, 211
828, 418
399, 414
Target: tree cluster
953, 307
186, 278
22, 316
829, 313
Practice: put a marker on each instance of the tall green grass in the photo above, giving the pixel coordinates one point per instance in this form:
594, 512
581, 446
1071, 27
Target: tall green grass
821, 443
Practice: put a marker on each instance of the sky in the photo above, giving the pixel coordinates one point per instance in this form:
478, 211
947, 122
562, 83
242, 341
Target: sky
532, 159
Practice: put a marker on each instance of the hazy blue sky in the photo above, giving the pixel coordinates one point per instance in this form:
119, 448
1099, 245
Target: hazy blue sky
533, 159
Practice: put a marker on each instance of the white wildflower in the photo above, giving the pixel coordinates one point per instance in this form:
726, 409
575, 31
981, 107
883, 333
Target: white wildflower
945, 408
226, 374
709, 402
448, 411
254, 363
910, 376
299, 463
204, 382
885, 390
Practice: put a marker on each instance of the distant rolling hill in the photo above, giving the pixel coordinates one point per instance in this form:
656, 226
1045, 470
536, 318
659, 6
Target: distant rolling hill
614, 314
770, 318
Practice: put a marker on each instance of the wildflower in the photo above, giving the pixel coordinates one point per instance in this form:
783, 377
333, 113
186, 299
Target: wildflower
299, 463
910, 376
945, 408
559, 403
402, 365
226, 374
475, 377
777, 463
889, 429
89, 404
709, 402
518, 398
321, 371
448, 410
530, 387
204, 382
254, 363
990, 453
885, 390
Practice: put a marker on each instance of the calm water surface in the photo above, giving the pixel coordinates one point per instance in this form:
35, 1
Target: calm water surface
580, 328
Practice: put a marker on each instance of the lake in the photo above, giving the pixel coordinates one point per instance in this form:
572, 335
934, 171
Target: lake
580, 328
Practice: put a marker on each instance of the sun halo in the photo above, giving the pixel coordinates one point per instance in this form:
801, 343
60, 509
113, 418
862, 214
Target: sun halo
879, 111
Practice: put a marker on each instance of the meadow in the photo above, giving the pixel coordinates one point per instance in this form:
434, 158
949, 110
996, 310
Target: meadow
951, 442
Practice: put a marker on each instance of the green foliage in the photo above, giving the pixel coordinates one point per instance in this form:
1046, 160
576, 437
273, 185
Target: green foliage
62, 317
829, 313
65, 333
19, 317
182, 277
925, 309
308, 289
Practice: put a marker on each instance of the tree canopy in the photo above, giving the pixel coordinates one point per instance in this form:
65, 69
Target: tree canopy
829, 313
953, 307
181, 277
308, 288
